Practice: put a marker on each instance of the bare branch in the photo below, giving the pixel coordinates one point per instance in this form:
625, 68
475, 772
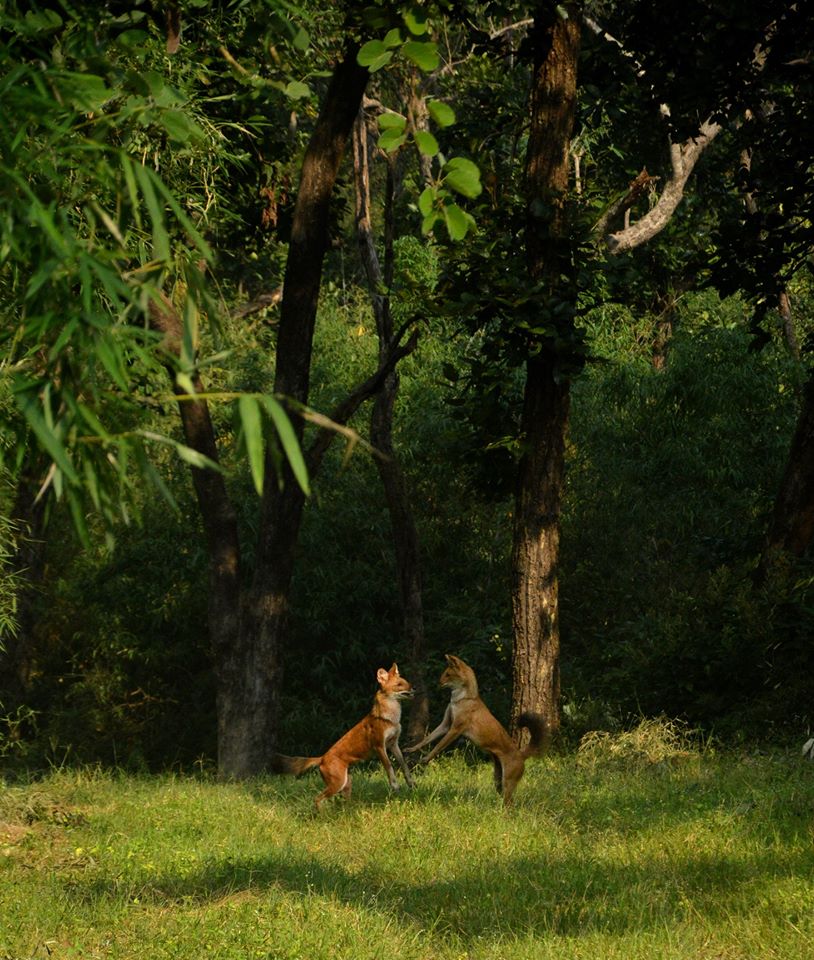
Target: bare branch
347, 407
683, 158
621, 207
259, 303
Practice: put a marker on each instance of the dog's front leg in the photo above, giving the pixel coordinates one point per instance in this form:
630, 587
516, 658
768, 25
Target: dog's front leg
381, 752
439, 731
394, 746
450, 737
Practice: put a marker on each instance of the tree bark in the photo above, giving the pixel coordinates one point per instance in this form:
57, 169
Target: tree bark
405, 535
28, 565
536, 531
255, 673
791, 529
683, 158
222, 539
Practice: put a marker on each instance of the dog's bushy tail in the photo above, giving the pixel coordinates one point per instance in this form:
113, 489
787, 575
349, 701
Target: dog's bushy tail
280, 763
536, 726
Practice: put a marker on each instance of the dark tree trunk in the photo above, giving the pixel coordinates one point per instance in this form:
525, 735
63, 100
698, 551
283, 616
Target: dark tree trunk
222, 539
253, 679
536, 532
405, 536
28, 565
791, 529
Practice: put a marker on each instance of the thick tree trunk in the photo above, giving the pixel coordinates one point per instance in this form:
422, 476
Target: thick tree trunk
536, 544
256, 679
536, 532
405, 535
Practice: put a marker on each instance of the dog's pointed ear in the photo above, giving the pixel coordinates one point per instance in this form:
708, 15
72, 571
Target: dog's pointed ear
451, 659
394, 670
382, 675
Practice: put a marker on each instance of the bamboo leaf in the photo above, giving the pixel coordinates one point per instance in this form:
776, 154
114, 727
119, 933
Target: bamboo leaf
252, 421
161, 240
48, 437
289, 441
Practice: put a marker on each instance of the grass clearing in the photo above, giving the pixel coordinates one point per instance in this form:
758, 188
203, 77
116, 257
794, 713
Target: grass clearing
691, 856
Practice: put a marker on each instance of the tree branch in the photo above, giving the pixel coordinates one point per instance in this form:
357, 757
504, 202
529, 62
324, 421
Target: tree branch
347, 407
683, 158
259, 303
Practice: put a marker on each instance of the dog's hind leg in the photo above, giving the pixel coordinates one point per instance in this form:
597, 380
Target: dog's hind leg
498, 772
337, 780
513, 768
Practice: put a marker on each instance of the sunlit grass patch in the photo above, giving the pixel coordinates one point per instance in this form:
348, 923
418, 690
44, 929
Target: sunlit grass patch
712, 859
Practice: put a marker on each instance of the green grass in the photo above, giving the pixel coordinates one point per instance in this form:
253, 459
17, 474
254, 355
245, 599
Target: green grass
708, 857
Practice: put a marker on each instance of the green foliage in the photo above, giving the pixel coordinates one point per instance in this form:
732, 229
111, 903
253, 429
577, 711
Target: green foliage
671, 476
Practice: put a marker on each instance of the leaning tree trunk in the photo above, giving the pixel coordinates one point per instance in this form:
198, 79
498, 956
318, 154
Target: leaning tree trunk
405, 535
536, 530
250, 682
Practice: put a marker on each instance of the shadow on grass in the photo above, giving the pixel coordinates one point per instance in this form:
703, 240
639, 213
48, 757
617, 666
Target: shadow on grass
578, 889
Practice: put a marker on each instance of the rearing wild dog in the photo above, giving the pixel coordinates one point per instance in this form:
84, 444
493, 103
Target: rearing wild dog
468, 716
374, 735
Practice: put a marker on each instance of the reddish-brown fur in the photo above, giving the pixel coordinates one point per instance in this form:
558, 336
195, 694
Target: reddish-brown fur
374, 735
468, 716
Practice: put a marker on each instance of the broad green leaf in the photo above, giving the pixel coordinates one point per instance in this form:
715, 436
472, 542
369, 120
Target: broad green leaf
423, 54
289, 441
297, 90
252, 421
374, 55
462, 176
429, 222
441, 113
415, 20
456, 221
426, 201
392, 121
393, 38
426, 143
302, 40
391, 140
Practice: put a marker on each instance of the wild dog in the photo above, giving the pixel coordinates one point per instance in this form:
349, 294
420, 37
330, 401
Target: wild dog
468, 716
374, 735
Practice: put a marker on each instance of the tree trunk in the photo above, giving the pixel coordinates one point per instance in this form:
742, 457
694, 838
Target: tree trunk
251, 703
28, 565
536, 530
220, 527
405, 536
791, 529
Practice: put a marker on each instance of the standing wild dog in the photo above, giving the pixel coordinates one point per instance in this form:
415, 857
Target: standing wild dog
372, 736
468, 716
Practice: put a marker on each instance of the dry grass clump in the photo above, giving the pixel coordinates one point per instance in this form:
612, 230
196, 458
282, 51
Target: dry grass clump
657, 741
